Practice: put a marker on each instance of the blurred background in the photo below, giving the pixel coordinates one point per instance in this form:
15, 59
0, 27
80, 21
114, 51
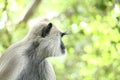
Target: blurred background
93, 43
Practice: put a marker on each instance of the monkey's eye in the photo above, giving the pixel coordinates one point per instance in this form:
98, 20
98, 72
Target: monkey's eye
62, 34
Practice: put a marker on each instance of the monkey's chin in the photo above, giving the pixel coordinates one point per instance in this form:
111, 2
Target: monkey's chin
61, 53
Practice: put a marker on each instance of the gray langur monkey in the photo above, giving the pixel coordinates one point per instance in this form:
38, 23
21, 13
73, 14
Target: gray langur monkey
26, 59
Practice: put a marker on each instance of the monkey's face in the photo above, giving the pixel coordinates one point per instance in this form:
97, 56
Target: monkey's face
50, 41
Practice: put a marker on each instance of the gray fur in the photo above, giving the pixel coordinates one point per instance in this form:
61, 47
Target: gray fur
26, 59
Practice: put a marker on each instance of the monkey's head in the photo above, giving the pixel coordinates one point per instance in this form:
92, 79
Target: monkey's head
48, 39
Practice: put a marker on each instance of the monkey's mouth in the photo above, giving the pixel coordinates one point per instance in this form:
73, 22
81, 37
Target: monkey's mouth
62, 46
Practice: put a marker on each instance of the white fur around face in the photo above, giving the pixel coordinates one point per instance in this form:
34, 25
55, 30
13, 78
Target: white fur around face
15, 60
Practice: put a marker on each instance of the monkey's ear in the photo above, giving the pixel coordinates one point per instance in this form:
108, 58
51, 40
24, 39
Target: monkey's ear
46, 30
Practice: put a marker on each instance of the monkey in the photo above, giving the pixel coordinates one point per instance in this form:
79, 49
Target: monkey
27, 58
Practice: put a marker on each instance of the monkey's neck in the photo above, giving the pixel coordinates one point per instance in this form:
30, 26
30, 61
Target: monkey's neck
41, 71
36, 69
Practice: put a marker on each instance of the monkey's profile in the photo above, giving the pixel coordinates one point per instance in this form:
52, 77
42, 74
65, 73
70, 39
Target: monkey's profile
26, 59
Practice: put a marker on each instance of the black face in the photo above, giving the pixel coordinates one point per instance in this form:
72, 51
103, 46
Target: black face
58, 46
62, 46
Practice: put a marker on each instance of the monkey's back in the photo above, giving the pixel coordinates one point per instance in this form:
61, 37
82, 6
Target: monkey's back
12, 61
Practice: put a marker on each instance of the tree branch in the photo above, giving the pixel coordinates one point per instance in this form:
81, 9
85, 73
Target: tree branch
29, 11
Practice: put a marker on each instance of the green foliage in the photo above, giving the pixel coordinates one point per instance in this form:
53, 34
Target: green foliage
93, 43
